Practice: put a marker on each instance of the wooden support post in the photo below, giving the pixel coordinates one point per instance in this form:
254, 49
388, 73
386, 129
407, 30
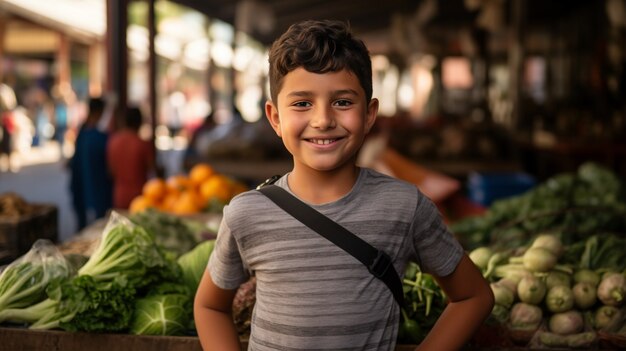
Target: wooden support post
152, 93
64, 76
516, 60
96, 69
117, 54
3, 24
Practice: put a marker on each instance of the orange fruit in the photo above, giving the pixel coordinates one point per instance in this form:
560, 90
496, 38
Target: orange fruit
168, 202
139, 204
218, 186
187, 203
154, 189
178, 183
200, 172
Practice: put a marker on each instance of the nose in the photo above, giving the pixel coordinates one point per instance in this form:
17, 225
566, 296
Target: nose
323, 118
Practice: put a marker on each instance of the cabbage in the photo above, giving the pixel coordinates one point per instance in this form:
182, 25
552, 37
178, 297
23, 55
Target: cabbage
194, 262
161, 315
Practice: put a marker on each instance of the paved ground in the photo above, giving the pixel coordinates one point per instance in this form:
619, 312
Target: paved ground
42, 177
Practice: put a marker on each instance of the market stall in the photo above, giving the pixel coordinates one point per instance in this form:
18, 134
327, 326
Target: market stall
554, 256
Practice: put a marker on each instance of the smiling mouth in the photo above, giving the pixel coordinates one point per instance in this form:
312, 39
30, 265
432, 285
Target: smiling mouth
322, 141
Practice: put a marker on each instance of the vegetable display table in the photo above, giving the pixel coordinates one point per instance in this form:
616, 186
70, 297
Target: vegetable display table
51, 340
13, 338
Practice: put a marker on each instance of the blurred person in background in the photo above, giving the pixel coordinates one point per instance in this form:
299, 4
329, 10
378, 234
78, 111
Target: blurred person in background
130, 159
8, 127
173, 107
90, 181
199, 142
62, 98
6, 141
43, 109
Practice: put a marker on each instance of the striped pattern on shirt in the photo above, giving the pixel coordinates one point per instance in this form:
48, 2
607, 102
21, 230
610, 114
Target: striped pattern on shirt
312, 295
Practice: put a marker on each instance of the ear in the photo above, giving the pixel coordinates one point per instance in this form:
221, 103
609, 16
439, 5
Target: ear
271, 112
371, 114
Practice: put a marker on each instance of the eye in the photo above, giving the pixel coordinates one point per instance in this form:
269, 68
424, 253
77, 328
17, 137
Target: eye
301, 104
343, 103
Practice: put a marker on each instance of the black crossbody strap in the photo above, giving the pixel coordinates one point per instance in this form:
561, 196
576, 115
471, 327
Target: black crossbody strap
376, 261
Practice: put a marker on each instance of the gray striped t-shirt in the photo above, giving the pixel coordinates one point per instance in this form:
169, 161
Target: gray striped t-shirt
312, 295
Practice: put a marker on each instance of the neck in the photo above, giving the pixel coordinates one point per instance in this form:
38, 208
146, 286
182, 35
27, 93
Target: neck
320, 187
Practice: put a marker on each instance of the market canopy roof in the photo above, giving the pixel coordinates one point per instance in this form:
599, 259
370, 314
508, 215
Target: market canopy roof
84, 19
270, 18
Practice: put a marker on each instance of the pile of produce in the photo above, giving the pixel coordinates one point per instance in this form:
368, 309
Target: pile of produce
555, 257
173, 233
424, 302
577, 205
202, 190
130, 283
547, 300
13, 206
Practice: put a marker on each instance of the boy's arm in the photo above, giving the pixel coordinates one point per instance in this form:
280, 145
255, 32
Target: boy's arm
213, 318
470, 301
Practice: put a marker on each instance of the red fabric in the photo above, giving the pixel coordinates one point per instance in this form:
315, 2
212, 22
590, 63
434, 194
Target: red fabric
7, 122
130, 160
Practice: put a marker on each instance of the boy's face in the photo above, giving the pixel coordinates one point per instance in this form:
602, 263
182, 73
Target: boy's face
322, 118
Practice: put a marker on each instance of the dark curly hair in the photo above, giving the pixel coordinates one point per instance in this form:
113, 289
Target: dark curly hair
319, 47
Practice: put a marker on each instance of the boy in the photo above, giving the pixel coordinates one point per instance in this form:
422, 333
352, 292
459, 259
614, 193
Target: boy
310, 293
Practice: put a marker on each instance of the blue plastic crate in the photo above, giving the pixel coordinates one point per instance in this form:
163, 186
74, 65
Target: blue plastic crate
486, 187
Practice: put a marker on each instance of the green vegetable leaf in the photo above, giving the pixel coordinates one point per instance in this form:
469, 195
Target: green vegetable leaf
97, 306
161, 315
172, 233
194, 262
129, 250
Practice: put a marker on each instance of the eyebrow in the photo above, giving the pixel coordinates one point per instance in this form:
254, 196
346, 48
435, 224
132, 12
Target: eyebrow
304, 93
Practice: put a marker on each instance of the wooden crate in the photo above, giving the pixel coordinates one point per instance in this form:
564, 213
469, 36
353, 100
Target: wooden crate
51, 340
17, 235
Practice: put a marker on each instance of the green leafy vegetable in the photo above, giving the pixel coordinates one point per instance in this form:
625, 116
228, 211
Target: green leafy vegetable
571, 205
80, 304
24, 281
171, 232
424, 302
102, 297
161, 315
600, 251
194, 262
129, 250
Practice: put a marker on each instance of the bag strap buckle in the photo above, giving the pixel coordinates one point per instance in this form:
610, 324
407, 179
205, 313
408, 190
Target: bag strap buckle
380, 265
268, 181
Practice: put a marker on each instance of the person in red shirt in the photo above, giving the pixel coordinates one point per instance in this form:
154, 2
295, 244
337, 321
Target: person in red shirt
130, 160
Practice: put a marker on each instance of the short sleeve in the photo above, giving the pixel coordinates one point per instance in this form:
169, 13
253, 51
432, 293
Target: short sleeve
225, 264
437, 250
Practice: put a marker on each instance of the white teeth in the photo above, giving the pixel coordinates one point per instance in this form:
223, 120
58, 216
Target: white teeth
322, 141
